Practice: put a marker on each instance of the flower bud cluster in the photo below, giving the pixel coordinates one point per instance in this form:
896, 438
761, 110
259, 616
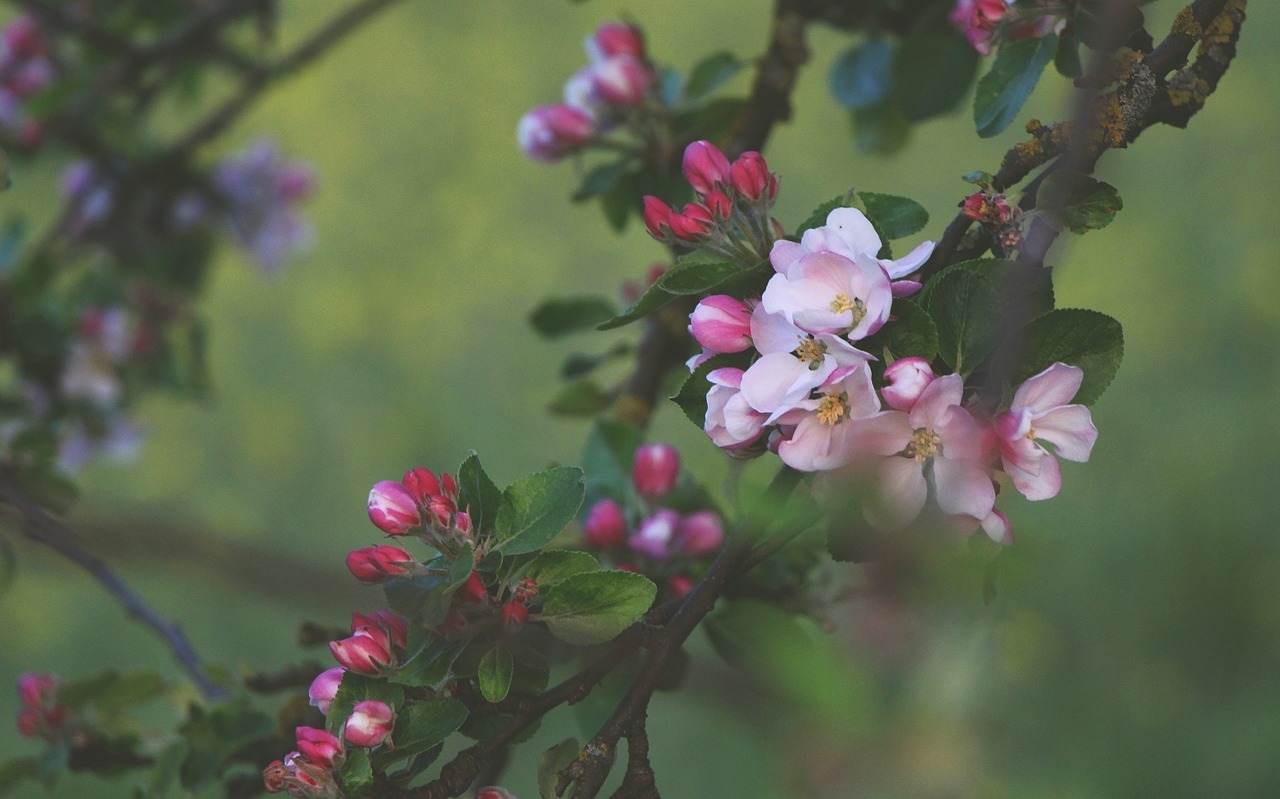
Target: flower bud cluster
376, 645
731, 216
25, 69
41, 716
421, 504
994, 211
654, 540
310, 770
614, 88
808, 391
987, 23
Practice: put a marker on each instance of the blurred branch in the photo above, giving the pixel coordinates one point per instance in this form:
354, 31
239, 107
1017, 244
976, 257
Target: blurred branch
39, 526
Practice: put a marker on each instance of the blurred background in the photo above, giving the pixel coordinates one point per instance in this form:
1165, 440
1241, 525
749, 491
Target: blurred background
1133, 647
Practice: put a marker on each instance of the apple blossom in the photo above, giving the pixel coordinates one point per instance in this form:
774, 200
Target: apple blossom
614, 39
848, 232
825, 292
908, 378
655, 536
731, 422
721, 324
392, 508
261, 191
622, 80
1040, 411
827, 425
370, 723
366, 652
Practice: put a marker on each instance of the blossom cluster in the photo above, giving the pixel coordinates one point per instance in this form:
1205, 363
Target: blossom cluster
25, 69
41, 716
311, 769
809, 392
985, 23
615, 85
654, 540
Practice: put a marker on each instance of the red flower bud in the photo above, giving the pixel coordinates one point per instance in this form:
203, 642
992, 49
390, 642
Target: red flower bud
514, 615
719, 204
614, 39
654, 469
370, 723
36, 689
550, 132
319, 747
657, 217
622, 80
494, 792
975, 206
605, 526
375, 564
721, 324
473, 589
751, 177
453, 621
392, 509
693, 223
525, 590
422, 484
700, 533
366, 652
704, 166
30, 722
680, 585
394, 625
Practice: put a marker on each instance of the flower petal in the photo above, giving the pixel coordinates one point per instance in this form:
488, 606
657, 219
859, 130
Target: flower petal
1069, 429
963, 487
1055, 386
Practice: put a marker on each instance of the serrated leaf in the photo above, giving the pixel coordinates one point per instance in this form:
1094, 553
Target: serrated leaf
965, 306
593, 607
933, 70
1077, 201
580, 398
357, 688
431, 661
1090, 340
532, 671
556, 564
692, 396
536, 508
214, 734
494, 672
653, 298
552, 762
477, 494
356, 775
910, 333
419, 727
426, 598
863, 75
697, 278
1013, 76
560, 316
894, 217
709, 121
600, 180
1026, 290
710, 74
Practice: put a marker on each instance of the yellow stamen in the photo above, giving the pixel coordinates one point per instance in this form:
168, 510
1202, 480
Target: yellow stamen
832, 409
856, 307
1031, 434
924, 445
811, 352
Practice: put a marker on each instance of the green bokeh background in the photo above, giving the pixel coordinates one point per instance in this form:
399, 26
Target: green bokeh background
1134, 647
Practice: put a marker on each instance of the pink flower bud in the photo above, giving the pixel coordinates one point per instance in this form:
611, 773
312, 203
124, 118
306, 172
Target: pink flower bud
384, 619
22, 38
462, 521
366, 652
276, 776
370, 723
656, 534
30, 722
751, 177
721, 324
514, 615
692, 224
550, 132
704, 166
654, 469
615, 39
605, 526
448, 486
719, 204
494, 792
473, 589
422, 484
622, 80
392, 509
375, 564
440, 510
700, 534
325, 687
908, 378
657, 217
320, 747
680, 585
36, 690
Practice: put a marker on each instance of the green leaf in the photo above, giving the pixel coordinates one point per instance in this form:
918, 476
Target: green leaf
494, 672
559, 316
607, 458
1090, 340
1026, 290
14, 772
580, 364
536, 508
556, 564
482, 727
356, 775
933, 70
552, 762
894, 217
862, 76
430, 664
1077, 201
698, 277
965, 306
593, 607
420, 726
709, 121
600, 180
882, 129
214, 734
580, 398
692, 396
478, 494
357, 688
532, 671
426, 599
653, 298
910, 332
1013, 76
671, 86
165, 771
710, 74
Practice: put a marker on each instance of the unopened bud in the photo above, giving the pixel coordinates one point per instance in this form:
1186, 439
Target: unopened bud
320, 747
325, 687
615, 39
605, 526
550, 132
392, 509
473, 589
654, 469
375, 564
693, 223
680, 585
422, 484
525, 591
705, 166
721, 324
751, 177
370, 723
701, 533
719, 204
656, 534
514, 615
494, 792
908, 378
622, 81
657, 217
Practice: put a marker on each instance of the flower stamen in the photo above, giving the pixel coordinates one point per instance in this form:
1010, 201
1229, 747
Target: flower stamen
924, 445
856, 307
811, 351
833, 409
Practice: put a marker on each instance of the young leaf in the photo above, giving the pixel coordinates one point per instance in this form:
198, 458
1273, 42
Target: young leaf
431, 662
580, 364
1003, 90
653, 298
536, 508
559, 316
965, 306
556, 564
593, 607
427, 598
1090, 340
607, 457
478, 494
1078, 202
894, 217
356, 775
710, 74
552, 762
697, 278
619, 202
420, 726
911, 333
532, 671
580, 398
494, 672
933, 70
862, 76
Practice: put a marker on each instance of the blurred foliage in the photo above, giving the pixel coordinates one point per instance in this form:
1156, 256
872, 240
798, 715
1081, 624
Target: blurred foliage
1133, 642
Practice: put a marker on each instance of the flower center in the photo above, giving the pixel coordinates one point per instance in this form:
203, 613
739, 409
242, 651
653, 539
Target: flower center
1031, 434
856, 307
811, 351
924, 445
833, 408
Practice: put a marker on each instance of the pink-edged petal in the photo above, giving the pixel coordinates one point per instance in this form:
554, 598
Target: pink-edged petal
1055, 386
1013, 425
742, 422
963, 487
901, 495
939, 395
727, 376
785, 254
1044, 483
1069, 429
909, 262
905, 288
1024, 455
779, 380
809, 447
861, 394
998, 528
963, 437
882, 435
772, 332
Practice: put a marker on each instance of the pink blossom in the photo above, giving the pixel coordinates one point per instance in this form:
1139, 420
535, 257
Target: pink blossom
654, 469
848, 232
261, 191
825, 292
827, 426
605, 526
1040, 412
614, 39
392, 509
655, 536
622, 80
550, 132
370, 723
700, 534
731, 422
320, 747
325, 687
705, 166
721, 324
908, 378
366, 652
